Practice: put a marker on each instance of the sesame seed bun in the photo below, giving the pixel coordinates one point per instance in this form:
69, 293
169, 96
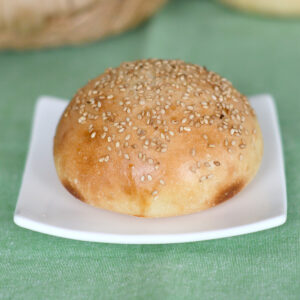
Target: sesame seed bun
157, 138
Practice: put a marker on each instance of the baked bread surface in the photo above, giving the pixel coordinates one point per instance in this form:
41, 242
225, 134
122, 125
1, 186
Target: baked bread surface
50, 23
157, 138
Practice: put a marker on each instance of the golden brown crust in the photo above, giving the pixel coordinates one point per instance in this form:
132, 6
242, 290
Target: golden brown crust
228, 192
73, 190
156, 138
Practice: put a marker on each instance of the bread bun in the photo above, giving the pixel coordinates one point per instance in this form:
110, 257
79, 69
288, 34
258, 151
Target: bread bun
157, 138
283, 8
49, 23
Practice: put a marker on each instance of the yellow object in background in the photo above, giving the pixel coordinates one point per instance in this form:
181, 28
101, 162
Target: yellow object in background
285, 8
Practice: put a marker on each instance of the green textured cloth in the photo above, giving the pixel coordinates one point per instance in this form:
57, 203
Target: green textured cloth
258, 55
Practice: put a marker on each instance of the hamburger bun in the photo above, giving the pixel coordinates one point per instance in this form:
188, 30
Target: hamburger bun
157, 138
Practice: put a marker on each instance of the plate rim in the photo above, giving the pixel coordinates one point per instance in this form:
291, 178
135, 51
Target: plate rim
113, 238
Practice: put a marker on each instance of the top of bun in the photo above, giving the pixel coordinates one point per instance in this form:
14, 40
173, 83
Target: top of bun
149, 123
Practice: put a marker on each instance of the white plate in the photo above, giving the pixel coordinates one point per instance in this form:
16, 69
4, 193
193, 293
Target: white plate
45, 206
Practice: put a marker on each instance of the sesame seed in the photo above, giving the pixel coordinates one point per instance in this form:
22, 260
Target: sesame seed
143, 178
127, 137
149, 177
186, 128
150, 161
103, 135
154, 193
126, 156
162, 181
93, 134
117, 144
211, 145
81, 120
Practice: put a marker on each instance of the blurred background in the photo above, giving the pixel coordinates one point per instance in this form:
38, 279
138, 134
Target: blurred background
255, 44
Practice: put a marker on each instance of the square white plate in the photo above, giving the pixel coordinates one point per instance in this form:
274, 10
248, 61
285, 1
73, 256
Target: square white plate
45, 206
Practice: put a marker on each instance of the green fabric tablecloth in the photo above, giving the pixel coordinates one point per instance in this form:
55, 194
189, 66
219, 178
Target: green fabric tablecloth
258, 55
